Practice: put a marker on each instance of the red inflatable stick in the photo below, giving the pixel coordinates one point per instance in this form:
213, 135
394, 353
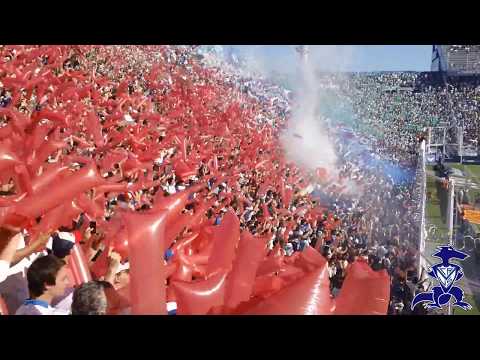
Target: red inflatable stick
276, 252
310, 259
242, 277
114, 188
120, 243
42, 182
185, 221
170, 269
290, 273
270, 265
90, 207
45, 150
56, 117
364, 291
11, 199
183, 171
8, 158
38, 135
78, 264
112, 158
183, 273
94, 128
62, 215
267, 285
198, 297
308, 296
24, 183
147, 270
183, 243
176, 202
38, 204
225, 240
6, 131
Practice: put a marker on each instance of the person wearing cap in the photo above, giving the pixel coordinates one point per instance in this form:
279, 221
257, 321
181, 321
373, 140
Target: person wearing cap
122, 276
47, 278
61, 244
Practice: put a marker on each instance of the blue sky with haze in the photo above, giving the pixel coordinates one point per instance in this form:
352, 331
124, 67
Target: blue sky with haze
343, 57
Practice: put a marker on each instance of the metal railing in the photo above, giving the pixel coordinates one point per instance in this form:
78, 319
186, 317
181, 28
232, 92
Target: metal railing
420, 195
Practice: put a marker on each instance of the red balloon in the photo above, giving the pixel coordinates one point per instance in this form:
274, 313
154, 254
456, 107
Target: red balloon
93, 127
114, 188
120, 244
175, 226
78, 264
90, 207
288, 197
112, 158
277, 251
267, 285
310, 259
225, 239
11, 199
50, 173
270, 265
183, 171
364, 291
51, 115
6, 132
197, 298
290, 260
38, 204
290, 273
173, 203
8, 217
8, 158
199, 271
184, 242
182, 273
170, 269
242, 277
62, 215
147, 270
307, 296
44, 151
38, 136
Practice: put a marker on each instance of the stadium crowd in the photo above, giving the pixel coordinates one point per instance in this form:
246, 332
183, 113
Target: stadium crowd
210, 129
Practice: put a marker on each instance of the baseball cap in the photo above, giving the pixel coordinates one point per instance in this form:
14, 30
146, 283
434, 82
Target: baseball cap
61, 243
122, 267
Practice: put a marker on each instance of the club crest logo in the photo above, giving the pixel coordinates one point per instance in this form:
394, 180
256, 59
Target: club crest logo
447, 275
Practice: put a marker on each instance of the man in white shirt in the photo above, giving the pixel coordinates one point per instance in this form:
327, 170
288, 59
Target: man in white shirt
16, 257
8, 247
47, 278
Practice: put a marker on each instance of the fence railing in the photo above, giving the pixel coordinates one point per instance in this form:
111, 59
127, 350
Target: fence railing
420, 195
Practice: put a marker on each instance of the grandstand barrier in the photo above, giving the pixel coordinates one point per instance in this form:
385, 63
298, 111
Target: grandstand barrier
421, 193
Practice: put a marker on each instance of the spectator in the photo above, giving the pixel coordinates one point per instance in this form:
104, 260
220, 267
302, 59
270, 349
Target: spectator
90, 299
14, 286
122, 276
47, 278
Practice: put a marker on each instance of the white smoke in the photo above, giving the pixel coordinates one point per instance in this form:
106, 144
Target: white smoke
306, 141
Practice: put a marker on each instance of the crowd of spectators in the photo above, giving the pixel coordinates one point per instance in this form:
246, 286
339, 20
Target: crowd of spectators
158, 104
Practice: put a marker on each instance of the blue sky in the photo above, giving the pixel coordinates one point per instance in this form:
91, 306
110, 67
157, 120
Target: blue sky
343, 57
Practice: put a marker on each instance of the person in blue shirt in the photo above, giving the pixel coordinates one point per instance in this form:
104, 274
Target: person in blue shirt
47, 279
